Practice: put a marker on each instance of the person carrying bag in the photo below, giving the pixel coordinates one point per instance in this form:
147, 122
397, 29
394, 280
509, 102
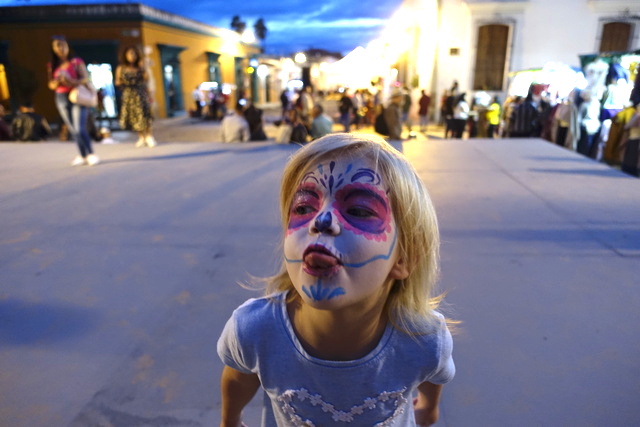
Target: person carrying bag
68, 74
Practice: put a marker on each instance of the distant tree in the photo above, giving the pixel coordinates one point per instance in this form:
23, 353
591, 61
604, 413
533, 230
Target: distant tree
260, 30
238, 25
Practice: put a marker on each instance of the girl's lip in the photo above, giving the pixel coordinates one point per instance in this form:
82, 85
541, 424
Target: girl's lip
319, 261
321, 249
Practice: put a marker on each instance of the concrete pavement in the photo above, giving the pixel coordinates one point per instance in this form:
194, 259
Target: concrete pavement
116, 280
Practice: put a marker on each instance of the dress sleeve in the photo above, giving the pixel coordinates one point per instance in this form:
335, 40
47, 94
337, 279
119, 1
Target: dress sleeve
446, 369
229, 347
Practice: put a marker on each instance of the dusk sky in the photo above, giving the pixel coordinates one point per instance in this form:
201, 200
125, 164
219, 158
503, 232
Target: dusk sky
293, 25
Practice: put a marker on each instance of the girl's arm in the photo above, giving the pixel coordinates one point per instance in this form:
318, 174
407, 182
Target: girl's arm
53, 83
426, 405
83, 75
237, 390
118, 78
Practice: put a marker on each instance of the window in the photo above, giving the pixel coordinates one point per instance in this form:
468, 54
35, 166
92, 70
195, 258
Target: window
214, 67
615, 37
491, 57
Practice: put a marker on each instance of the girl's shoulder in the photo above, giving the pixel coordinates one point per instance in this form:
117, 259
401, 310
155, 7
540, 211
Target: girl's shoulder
257, 310
432, 324
76, 61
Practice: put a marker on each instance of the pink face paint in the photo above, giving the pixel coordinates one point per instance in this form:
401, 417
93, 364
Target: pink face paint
364, 209
304, 206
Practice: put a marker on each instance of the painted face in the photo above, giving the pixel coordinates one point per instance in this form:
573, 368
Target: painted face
340, 244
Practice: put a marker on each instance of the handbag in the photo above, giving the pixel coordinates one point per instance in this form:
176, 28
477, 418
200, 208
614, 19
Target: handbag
84, 95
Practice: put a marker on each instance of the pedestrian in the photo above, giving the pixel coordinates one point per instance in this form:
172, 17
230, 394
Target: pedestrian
285, 102
460, 116
345, 108
299, 133
493, 118
253, 115
305, 104
234, 127
631, 150
524, 120
449, 104
359, 108
197, 100
65, 72
322, 124
393, 115
135, 112
423, 111
347, 331
406, 108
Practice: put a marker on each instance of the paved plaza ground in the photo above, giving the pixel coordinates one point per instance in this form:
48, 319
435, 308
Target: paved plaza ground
116, 280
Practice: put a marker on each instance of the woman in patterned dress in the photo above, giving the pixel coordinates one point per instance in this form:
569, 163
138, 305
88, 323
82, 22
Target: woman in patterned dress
135, 112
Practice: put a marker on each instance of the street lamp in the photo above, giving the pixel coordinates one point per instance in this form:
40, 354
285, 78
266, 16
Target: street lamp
300, 58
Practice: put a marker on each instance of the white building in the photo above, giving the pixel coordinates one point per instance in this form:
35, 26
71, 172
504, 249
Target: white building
479, 43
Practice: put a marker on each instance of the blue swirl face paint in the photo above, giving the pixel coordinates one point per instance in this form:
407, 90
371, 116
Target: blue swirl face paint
340, 242
318, 292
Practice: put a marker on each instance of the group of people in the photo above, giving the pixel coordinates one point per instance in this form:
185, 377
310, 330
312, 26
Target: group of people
597, 121
303, 118
24, 126
67, 72
209, 104
480, 119
243, 124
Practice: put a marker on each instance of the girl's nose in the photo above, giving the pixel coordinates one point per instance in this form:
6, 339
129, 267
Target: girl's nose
325, 223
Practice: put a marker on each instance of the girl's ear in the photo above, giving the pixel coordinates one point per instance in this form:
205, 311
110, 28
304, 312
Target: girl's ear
400, 269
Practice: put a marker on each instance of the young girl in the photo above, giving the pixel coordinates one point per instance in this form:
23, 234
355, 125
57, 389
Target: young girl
135, 114
347, 332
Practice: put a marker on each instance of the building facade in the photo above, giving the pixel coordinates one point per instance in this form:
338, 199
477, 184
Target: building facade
180, 54
481, 44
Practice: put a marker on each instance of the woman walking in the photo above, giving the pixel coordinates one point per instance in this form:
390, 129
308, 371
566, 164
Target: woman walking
66, 71
135, 113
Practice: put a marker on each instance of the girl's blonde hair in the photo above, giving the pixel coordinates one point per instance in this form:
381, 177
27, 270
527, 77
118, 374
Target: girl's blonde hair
410, 299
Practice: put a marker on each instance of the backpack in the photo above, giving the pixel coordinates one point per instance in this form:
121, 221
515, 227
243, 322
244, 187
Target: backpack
23, 127
380, 124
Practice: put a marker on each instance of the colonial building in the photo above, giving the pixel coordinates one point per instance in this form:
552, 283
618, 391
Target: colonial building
483, 44
179, 52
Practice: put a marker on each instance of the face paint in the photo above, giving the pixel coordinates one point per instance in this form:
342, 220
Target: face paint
340, 242
364, 209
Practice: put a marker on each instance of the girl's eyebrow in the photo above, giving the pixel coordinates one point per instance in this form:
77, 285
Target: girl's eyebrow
308, 191
367, 193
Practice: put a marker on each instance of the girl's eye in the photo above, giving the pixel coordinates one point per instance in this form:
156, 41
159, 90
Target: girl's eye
303, 209
360, 212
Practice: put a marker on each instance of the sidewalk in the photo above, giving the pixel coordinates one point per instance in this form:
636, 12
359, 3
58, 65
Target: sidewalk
116, 280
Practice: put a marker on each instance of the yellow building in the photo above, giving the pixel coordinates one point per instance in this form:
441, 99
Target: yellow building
179, 52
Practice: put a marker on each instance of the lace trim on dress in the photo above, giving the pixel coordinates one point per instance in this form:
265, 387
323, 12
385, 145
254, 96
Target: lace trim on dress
288, 398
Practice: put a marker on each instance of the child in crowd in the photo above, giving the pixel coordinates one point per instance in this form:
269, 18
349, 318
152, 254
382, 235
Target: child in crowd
347, 331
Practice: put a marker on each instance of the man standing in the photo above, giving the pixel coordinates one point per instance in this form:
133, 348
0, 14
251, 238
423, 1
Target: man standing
346, 106
393, 115
197, 99
423, 112
406, 108
306, 105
